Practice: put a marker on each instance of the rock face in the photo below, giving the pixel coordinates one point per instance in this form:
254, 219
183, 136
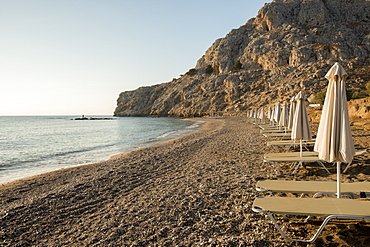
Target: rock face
289, 46
359, 109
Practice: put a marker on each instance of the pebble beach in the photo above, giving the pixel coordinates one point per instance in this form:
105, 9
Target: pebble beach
195, 190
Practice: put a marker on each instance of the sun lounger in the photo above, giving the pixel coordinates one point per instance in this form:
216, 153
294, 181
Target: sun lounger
291, 154
278, 135
330, 208
295, 158
271, 131
359, 152
356, 189
290, 143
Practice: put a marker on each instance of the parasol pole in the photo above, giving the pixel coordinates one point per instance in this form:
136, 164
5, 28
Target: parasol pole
338, 179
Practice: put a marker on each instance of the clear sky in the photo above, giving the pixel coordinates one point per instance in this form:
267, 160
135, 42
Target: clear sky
61, 57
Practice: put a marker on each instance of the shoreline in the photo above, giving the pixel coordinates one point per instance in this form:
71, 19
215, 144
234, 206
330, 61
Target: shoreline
202, 124
193, 190
196, 121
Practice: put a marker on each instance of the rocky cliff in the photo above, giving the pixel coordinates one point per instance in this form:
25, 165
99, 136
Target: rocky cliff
287, 47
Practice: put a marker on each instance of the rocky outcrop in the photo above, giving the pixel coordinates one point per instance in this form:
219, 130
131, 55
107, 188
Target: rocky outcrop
287, 47
359, 109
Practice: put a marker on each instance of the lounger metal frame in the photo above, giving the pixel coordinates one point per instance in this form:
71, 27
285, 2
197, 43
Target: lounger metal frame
318, 232
295, 165
316, 193
280, 136
311, 157
288, 144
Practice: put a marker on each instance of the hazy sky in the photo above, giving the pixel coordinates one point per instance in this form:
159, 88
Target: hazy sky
76, 56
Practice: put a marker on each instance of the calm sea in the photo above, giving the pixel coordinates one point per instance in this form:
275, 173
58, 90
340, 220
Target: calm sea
32, 145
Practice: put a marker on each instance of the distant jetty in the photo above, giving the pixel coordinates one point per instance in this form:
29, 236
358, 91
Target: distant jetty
93, 118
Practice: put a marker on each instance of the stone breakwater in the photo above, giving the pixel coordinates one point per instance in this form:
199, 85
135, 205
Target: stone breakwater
191, 191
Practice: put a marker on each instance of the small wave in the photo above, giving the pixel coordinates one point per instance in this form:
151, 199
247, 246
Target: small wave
35, 160
176, 133
166, 134
195, 125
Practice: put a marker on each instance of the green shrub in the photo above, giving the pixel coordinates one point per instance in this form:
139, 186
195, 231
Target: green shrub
237, 66
320, 97
209, 69
360, 94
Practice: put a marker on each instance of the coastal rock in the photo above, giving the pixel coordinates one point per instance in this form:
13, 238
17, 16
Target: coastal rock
287, 47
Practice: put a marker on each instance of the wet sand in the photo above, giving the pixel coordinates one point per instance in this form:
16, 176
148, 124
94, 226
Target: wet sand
192, 191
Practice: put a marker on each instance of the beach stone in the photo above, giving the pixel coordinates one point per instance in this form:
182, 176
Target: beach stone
156, 197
